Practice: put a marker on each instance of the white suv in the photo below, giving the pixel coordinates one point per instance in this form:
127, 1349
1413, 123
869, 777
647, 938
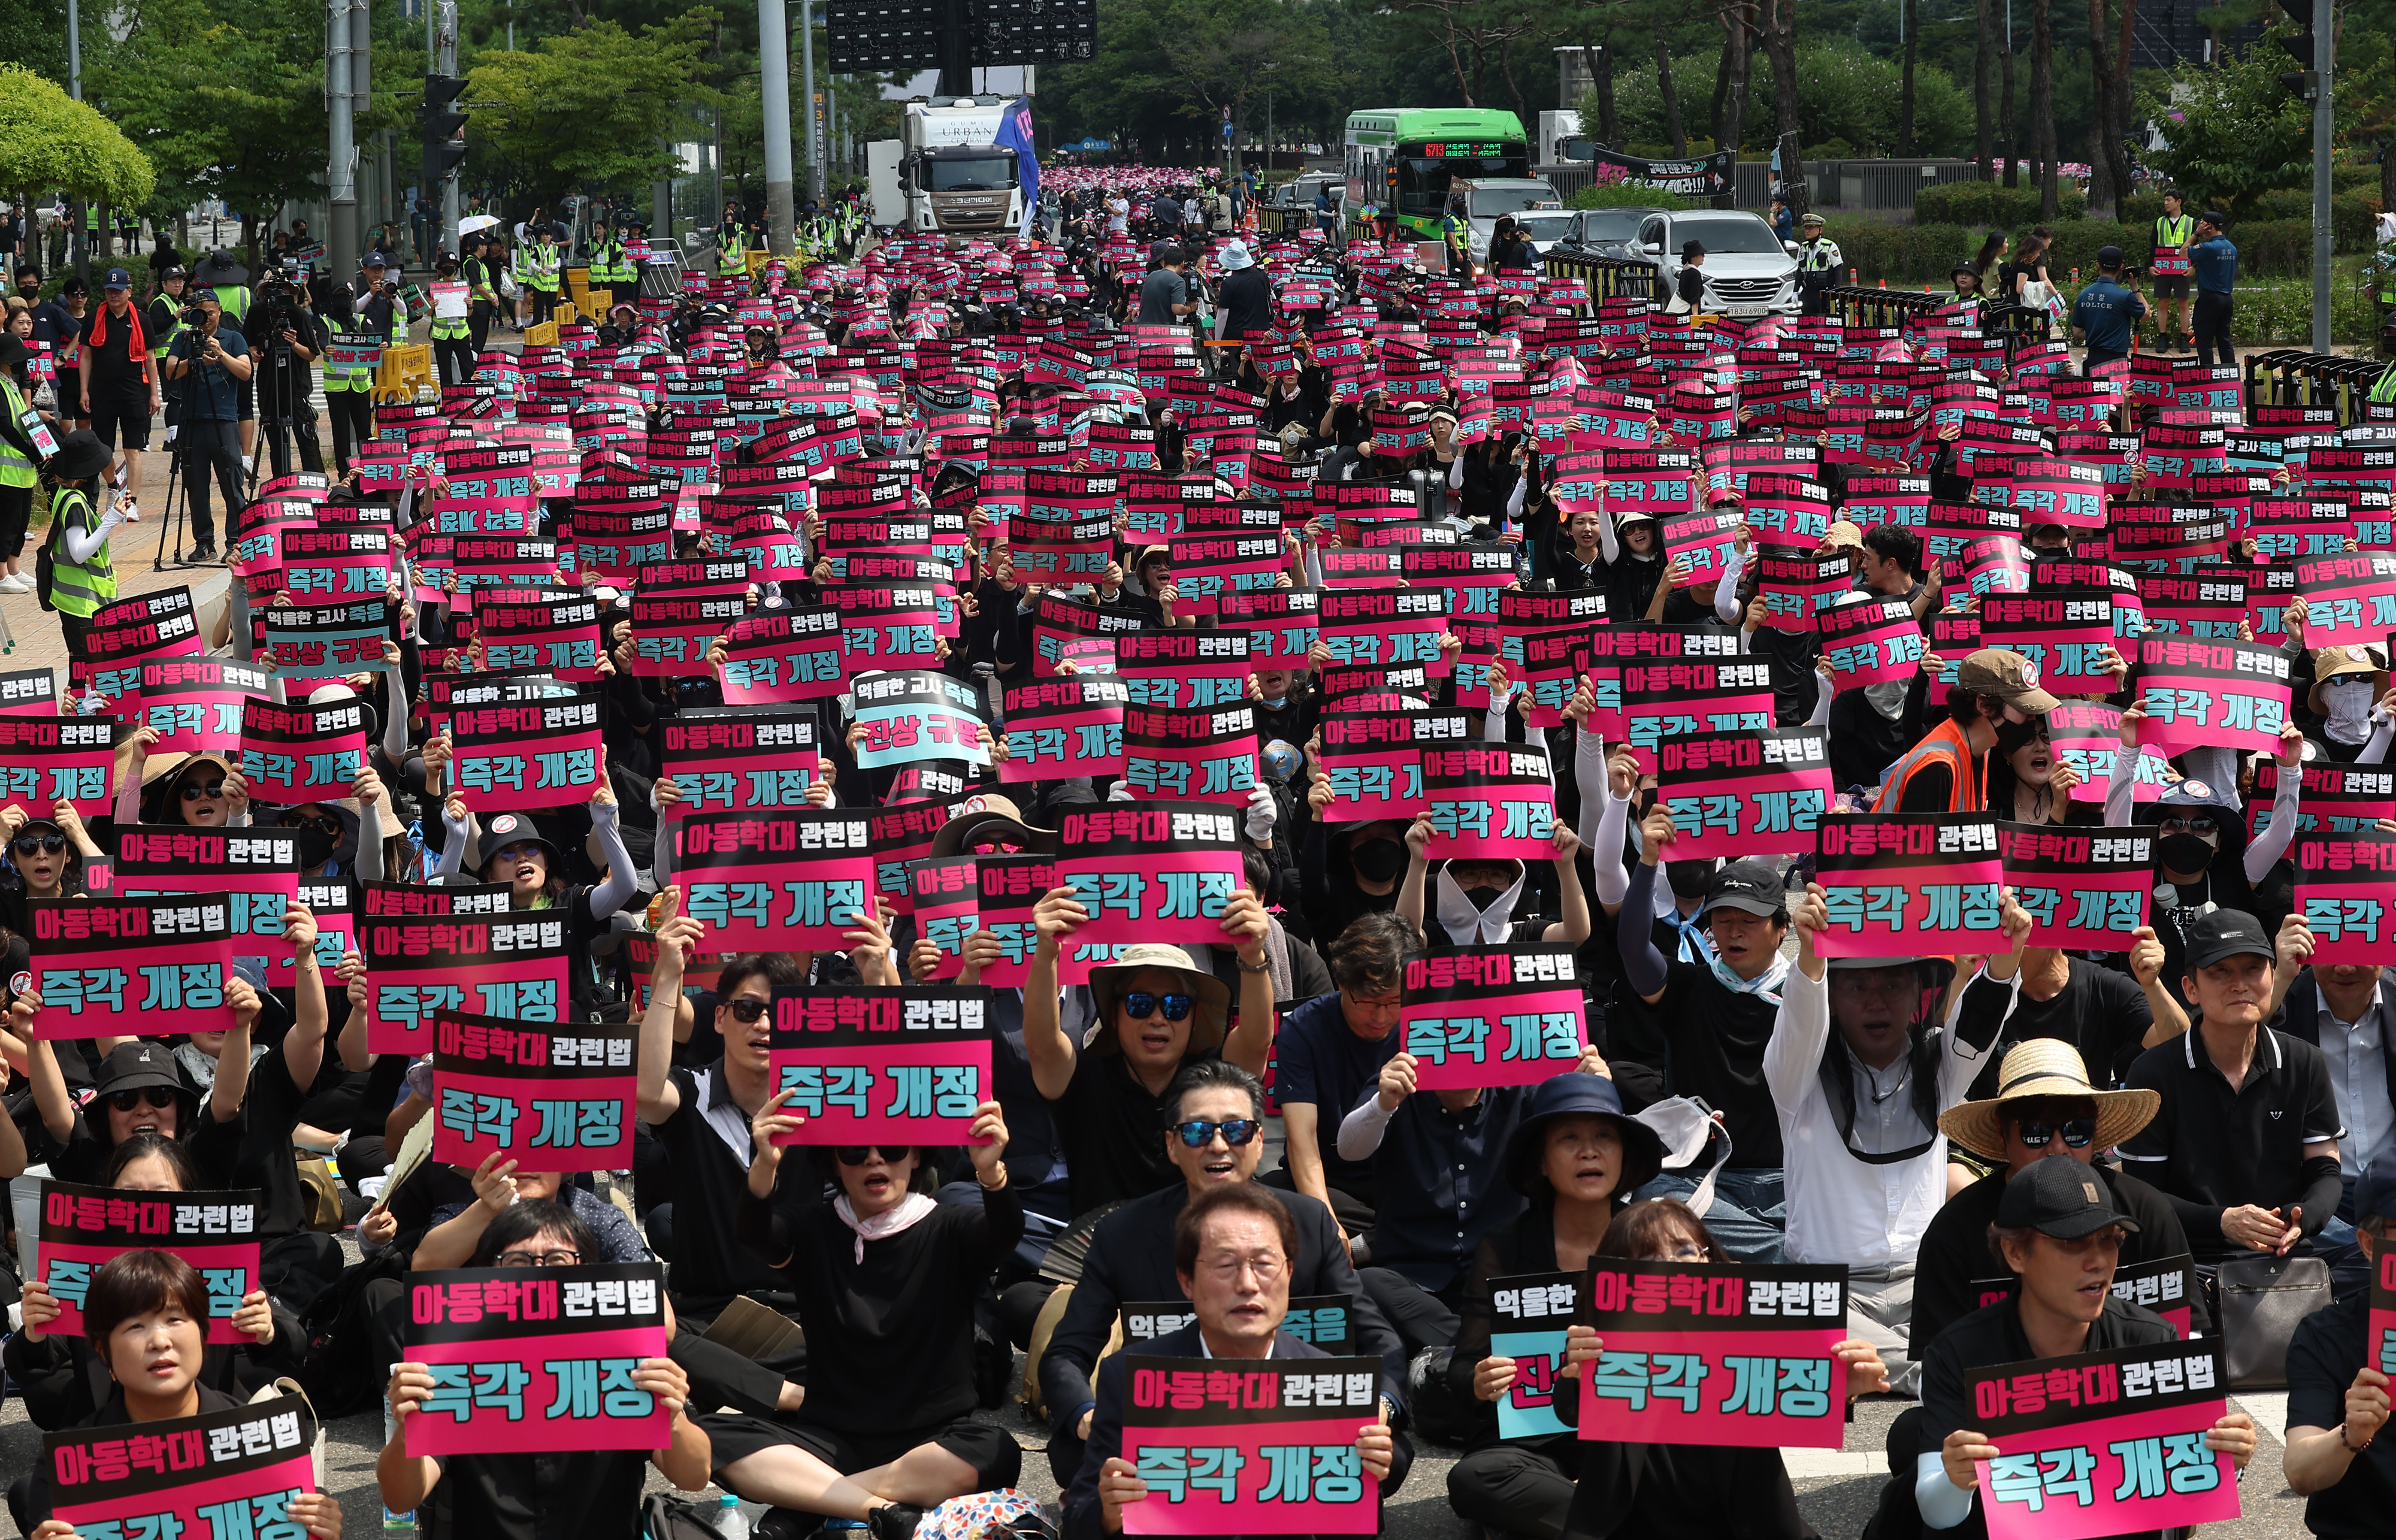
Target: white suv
1749, 270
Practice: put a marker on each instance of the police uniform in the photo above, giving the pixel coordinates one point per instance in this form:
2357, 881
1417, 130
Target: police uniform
1818, 261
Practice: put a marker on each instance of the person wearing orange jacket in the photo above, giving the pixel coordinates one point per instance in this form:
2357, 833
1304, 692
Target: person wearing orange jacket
1996, 703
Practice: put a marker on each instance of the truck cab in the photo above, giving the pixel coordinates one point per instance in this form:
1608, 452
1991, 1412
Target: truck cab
953, 175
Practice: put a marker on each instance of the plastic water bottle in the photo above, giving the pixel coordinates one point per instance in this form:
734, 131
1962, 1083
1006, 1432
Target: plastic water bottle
730, 1522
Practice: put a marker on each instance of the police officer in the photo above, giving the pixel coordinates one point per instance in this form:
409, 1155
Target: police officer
481, 289
1457, 232
2168, 261
453, 347
2107, 314
731, 248
1818, 261
547, 259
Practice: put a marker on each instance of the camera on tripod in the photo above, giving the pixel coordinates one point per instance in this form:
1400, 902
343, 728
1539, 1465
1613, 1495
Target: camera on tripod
279, 300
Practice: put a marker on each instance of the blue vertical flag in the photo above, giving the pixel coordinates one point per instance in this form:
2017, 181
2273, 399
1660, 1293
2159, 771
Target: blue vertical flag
1015, 133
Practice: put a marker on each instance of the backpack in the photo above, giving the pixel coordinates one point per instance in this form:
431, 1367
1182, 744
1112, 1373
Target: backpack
338, 1368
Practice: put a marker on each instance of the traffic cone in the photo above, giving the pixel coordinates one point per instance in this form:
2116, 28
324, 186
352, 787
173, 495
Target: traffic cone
1883, 283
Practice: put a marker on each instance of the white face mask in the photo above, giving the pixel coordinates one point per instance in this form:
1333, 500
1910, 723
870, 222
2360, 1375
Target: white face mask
2348, 699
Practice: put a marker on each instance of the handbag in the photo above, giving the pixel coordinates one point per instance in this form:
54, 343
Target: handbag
2260, 1299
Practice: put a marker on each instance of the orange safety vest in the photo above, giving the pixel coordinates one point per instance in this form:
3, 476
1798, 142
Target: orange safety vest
1948, 746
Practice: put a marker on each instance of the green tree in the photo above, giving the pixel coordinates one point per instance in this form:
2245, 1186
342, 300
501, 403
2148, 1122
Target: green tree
48, 140
592, 108
2233, 132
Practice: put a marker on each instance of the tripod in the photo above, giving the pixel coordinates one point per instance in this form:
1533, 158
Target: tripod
170, 522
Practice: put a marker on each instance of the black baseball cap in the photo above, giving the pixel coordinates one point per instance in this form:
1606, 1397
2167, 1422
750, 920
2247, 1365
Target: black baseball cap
136, 1066
2226, 932
2062, 1199
1752, 886
2109, 257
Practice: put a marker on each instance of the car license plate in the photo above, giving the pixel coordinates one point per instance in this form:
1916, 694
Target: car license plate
1745, 312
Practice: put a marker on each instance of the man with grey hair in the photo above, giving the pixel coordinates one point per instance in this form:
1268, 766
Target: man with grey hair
1214, 1135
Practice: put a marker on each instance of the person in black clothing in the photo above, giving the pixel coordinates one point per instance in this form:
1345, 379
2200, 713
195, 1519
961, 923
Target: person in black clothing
2245, 1143
1577, 1158
1579, 560
1245, 294
1130, 1255
2108, 1017
1689, 284
1233, 1251
2337, 1397
1698, 1029
581, 1493
146, 1316
63, 1380
1636, 570
140, 1089
886, 1280
2060, 1236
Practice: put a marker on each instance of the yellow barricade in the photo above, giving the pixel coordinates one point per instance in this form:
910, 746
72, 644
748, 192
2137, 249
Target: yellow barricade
402, 371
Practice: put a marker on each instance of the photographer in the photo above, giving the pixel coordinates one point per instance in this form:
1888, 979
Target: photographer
212, 360
291, 337
118, 384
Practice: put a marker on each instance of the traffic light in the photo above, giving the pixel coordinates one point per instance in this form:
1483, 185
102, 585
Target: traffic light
439, 126
2304, 84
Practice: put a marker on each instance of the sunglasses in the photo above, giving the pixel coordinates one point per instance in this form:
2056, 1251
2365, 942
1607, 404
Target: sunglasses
195, 792
1140, 1005
2175, 824
156, 1096
747, 1011
38, 845
856, 1155
2076, 1132
515, 853
1198, 1133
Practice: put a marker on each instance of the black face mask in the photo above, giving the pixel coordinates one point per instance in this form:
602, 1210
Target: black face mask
2012, 735
318, 843
1481, 898
1688, 879
2184, 851
1379, 861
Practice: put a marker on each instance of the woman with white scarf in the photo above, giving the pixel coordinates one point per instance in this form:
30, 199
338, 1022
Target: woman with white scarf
886, 1280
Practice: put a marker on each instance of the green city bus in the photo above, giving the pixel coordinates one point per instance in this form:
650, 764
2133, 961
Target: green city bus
1401, 159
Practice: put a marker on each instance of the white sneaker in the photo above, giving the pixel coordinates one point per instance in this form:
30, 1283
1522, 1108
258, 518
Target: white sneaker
16, 583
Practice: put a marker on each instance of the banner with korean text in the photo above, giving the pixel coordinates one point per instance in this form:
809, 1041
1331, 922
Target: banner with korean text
2345, 890
793, 882
1151, 871
454, 948
2110, 1442
1528, 1313
2085, 889
1483, 1016
1269, 1448
228, 1472
84, 1227
1740, 794
2212, 691
1715, 1354
1907, 884
893, 1066
131, 967
536, 1359
550, 1096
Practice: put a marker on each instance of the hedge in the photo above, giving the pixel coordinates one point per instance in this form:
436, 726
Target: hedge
1927, 253
1990, 204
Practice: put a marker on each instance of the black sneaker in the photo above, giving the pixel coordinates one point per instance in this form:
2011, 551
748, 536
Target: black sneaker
893, 1521
203, 553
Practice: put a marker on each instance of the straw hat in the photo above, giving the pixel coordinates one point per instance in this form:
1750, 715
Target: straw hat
2045, 1067
1210, 997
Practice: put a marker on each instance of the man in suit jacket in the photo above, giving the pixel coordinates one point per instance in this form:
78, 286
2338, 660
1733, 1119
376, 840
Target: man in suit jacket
1232, 1250
1130, 1258
2347, 1011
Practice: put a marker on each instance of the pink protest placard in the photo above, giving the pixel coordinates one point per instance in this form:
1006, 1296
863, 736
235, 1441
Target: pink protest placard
1707, 536
194, 703
1009, 886
1064, 726
561, 637
479, 956
85, 1227
537, 748
739, 759
793, 880
257, 871
232, 1471
2100, 1443
1543, 638
2085, 734
28, 692
536, 1359
1717, 1354
1383, 627
1740, 794
2063, 634
947, 905
2085, 889
1183, 669
296, 755
1374, 759
124, 633
1870, 641
2345, 889
46, 759
1907, 884
1491, 1016
131, 967
1492, 800
2348, 597
1797, 588
779, 655
2212, 691
2379, 1342
1204, 755
1269, 1448
1662, 700
1151, 871
2336, 799
550, 1096
901, 1066
673, 627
